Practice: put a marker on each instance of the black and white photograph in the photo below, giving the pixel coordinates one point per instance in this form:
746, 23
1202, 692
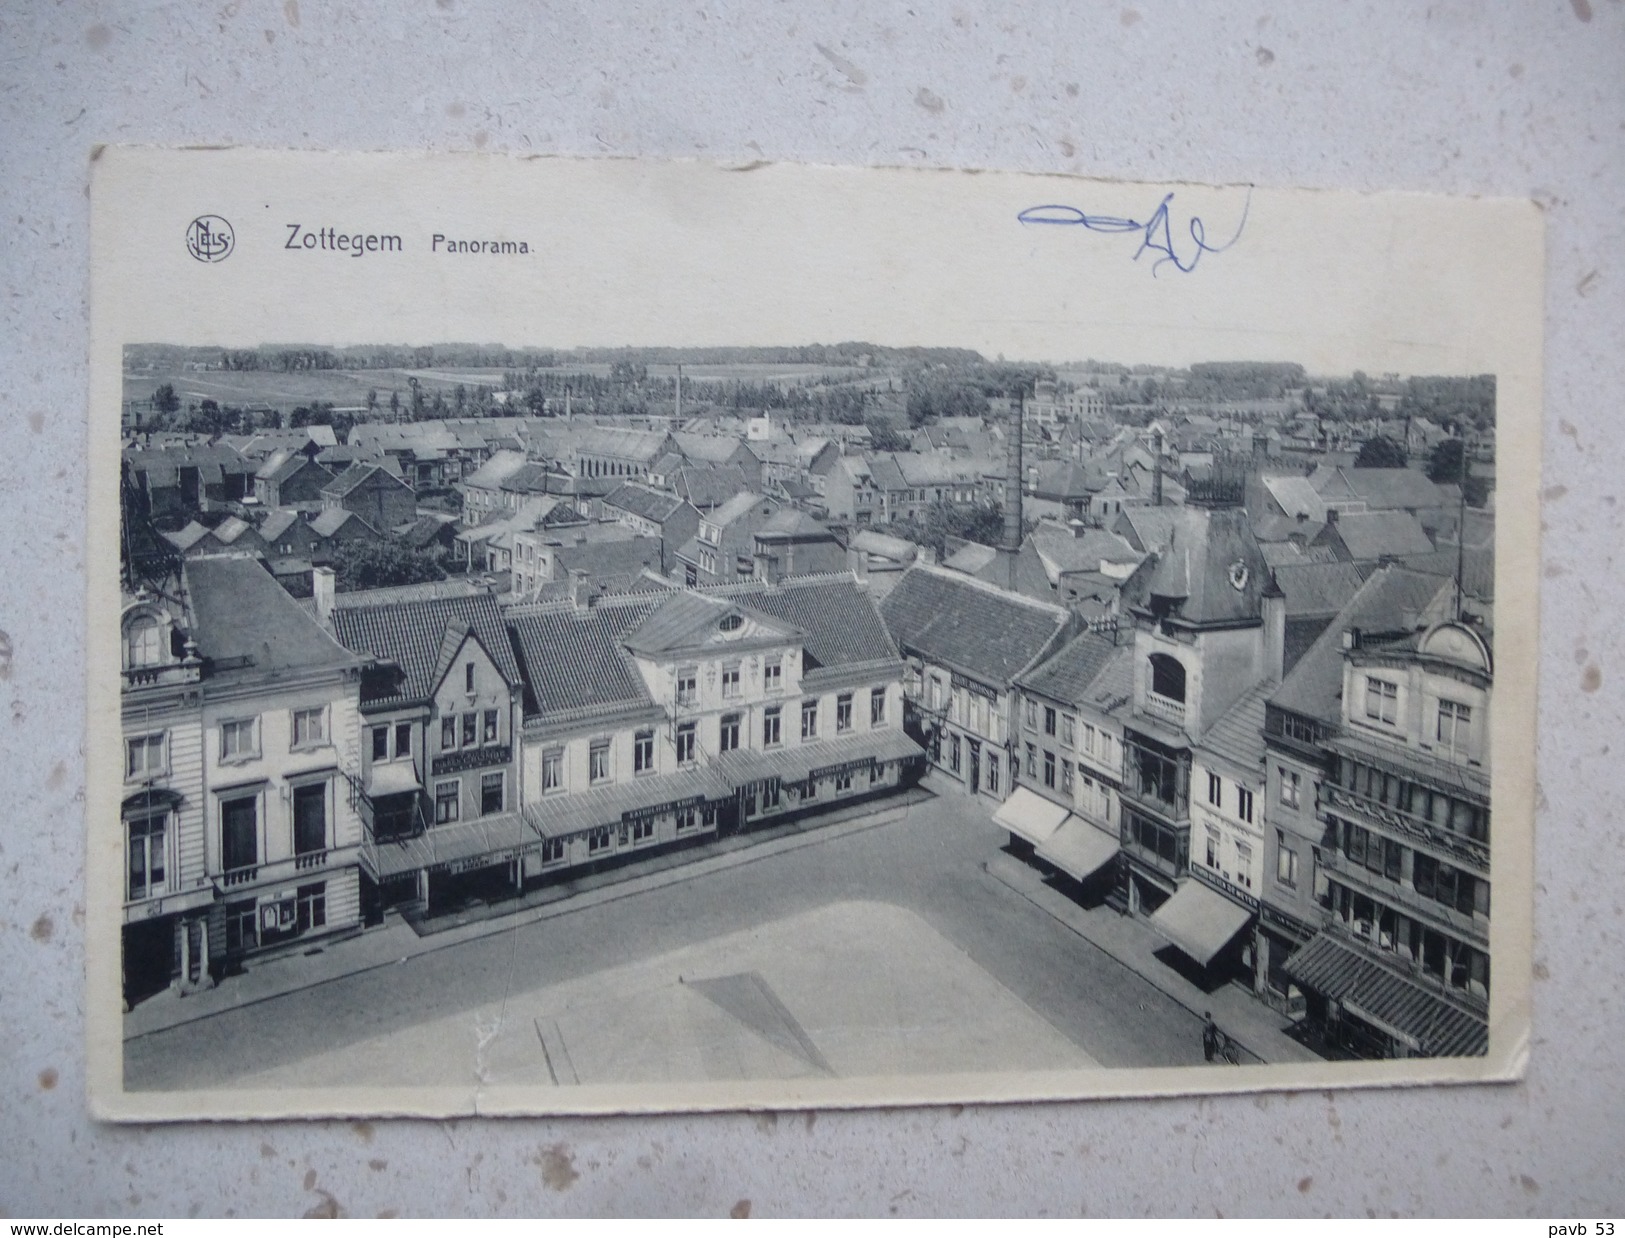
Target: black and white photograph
670, 708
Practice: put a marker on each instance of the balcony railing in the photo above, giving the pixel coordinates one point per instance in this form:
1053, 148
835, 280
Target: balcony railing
1166, 708
1404, 898
282, 870
1467, 850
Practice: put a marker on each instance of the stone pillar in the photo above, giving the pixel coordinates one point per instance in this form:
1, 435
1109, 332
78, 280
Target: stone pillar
182, 983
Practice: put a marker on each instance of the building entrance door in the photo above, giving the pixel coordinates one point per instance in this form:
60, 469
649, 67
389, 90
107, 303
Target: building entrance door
975, 767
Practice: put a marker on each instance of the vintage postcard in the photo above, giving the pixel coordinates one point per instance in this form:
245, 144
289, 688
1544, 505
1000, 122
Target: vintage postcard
577, 636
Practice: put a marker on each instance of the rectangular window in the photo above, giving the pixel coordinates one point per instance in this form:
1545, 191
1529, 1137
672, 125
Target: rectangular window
1069, 726
242, 926
643, 752
770, 727
471, 725
843, 712
1455, 724
309, 727
310, 818
809, 719
1049, 721
1032, 714
239, 740
1212, 847
773, 676
688, 685
1381, 700
311, 904
730, 681
403, 739
1088, 746
488, 731
448, 733
491, 794
239, 833
1290, 786
1244, 804
1215, 791
843, 782
643, 829
147, 857
877, 706
447, 801
809, 789
1049, 768
1244, 866
953, 753
1066, 777
468, 677
993, 774
598, 840
552, 769
552, 850
936, 692
728, 733
144, 756
685, 744
1286, 861
1032, 761
685, 819
598, 761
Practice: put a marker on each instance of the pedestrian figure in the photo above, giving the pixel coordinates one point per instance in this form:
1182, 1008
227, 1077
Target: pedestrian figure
1210, 1035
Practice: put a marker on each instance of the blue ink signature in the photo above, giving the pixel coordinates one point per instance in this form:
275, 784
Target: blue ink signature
1156, 233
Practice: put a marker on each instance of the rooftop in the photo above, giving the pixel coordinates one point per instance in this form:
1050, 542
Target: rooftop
411, 633
248, 625
965, 624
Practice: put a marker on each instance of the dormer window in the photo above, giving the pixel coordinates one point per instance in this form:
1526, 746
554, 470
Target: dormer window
143, 642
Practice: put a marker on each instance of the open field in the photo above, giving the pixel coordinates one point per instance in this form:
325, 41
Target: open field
348, 388
344, 388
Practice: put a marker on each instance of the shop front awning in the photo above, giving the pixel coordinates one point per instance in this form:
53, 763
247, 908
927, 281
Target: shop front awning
465, 845
560, 815
818, 758
392, 778
1200, 921
1030, 815
1402, 1006
1078, 848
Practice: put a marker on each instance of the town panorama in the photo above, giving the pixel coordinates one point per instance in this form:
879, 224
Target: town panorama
752, 709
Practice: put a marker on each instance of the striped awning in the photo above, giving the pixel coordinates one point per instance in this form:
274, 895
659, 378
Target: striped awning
1078, 848
1394, 1003
1200, 921
560, 815
467, 844
1030, 815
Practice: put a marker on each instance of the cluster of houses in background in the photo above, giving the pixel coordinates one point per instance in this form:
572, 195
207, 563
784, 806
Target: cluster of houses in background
1213, 675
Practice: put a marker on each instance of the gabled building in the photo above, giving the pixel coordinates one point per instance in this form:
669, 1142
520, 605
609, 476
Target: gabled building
379, 497
438, 766
653, 513
1300, 718
792, 543
289, 477
723, 549
1210, 632
239, 715
964, 645
654, 722
722, 451
1069, 750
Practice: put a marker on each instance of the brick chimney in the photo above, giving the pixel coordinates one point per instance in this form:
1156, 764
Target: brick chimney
1012, 496
323, 585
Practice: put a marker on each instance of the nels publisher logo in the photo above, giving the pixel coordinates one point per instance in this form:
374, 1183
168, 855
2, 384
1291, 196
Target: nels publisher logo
209, 238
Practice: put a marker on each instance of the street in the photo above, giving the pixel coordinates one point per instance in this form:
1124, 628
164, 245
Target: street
919, 878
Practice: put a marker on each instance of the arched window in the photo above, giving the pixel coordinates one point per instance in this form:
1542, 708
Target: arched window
143, 642
1168, 677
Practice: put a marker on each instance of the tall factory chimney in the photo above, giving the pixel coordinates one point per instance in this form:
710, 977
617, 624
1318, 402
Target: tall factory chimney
678, 417
1012, 495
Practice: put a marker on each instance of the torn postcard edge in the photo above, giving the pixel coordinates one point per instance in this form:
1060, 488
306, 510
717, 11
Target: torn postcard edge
586, 636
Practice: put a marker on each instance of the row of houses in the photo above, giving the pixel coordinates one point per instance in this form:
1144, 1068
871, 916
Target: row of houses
1296, 799
295, 769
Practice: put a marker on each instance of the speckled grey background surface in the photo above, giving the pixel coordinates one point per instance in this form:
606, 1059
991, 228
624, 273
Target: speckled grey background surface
1523, 99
